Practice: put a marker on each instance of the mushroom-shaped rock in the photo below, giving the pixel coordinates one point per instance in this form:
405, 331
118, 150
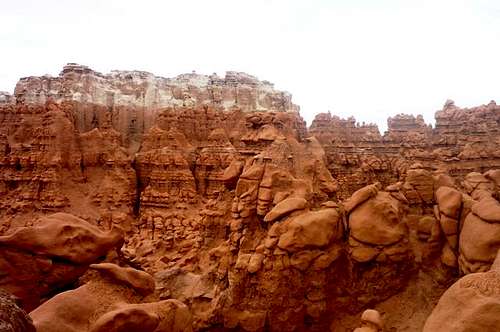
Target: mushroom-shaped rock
313, 229
65, 236
285, 207
471, 304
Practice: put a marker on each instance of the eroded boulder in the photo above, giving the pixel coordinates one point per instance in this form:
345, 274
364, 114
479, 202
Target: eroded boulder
64, 236
52, 254
480, 236
471, 304
377, 221
117, 299
314, 229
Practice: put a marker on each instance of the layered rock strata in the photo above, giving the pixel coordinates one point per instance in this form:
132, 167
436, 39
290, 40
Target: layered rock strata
463, 141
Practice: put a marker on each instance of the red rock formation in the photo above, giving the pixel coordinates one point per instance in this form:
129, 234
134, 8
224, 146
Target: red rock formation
234, 206
470, 304
143, 89
463, 141
54, 253
117, 300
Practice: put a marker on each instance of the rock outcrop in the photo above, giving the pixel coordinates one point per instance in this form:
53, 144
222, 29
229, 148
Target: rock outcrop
114, 300
38, 260
463, 141
144, 90
470, 304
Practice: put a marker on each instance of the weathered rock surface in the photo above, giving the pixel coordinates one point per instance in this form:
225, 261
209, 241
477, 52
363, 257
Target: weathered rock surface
115, 300
12, 317
39, 259
470, 304
143, 89
463, 140
480, 236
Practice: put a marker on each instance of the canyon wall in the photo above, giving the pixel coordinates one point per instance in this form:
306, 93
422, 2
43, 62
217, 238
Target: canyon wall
462, 141
236, 207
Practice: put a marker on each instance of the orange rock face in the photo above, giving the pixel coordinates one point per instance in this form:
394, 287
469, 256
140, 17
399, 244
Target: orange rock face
205, 203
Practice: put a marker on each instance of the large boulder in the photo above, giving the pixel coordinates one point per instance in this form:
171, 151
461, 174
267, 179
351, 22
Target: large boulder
162, 316
315, 229
64, 236
360, 196
285, 207
487, 209
422, 182
54, 253
480, 236
115, 300
449, 201
371, 321
377, 221
471, 304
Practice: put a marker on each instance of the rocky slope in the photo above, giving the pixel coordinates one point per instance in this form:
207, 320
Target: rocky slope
235, 207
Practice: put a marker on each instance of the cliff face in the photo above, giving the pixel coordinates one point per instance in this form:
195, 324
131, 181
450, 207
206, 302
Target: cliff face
143, 89
134, 97
463, 141
238, 209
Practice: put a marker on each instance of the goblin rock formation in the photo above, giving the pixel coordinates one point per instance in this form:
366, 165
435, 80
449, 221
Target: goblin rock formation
471, 304
463, 141
37, 260
114, 300
205, 203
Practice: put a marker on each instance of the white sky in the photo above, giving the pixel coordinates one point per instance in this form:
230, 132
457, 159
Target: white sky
367, 58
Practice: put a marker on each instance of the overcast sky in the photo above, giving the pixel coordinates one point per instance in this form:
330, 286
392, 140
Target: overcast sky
367, 58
